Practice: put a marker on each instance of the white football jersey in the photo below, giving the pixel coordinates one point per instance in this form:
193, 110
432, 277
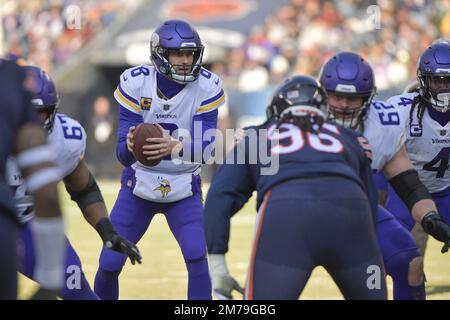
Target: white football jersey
169, 181
68, 140
137, 92
428, 146
385, 130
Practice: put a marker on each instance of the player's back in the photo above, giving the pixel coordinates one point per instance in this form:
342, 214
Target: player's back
335, 151
13, 99
15, 110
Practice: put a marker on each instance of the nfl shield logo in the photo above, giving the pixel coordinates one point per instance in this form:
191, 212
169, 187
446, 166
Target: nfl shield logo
443, 133
166, 107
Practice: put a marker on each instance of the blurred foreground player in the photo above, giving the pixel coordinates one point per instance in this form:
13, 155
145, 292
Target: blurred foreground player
68, 140
22, 135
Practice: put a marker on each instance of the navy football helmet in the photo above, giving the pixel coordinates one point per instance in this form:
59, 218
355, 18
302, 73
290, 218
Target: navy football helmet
174, 36
44, 96
348, 74
433, 75
299, 97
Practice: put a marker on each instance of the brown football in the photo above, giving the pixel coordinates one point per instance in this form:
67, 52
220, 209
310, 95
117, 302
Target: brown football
141, 133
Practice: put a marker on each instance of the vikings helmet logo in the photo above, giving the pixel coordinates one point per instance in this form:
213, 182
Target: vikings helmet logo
164, 186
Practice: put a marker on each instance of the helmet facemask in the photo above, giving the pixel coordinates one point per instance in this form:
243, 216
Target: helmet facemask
435, 89
50, 113
350, 117
160, 59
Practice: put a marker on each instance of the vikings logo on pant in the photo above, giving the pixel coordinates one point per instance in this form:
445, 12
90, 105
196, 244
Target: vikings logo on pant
164, 186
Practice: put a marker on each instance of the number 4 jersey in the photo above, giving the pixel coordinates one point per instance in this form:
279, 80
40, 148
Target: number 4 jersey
68, 141
428, 145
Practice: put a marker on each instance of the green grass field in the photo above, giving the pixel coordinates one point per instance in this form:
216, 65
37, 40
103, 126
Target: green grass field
162, 275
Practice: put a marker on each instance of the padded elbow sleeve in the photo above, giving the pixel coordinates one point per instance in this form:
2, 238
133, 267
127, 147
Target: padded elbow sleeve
409, 188
89, 195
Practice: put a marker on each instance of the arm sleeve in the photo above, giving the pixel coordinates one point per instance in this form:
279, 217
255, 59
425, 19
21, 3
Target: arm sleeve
366, 173
231, 188
369, 183
127, 119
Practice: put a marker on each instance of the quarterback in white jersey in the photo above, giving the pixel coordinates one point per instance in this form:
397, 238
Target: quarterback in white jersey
67, 140
349, 82
427, 117
182, 98
180, 116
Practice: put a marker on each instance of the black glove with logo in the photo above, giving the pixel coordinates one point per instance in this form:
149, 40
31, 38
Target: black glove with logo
433, 224
117, 243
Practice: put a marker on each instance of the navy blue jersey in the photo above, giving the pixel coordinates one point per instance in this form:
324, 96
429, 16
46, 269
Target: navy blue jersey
335, 151
15, 110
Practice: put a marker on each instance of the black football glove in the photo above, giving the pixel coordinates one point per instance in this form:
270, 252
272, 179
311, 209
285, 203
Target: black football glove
433, 224
117, 243
45, 294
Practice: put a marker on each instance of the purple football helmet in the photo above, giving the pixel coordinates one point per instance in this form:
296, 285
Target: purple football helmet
348, 74
174, 36
433, 75
44, 96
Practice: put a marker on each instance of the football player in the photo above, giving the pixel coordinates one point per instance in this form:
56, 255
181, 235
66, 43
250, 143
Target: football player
182, 98
304, 218
417, 231
427, 116
22, 136
68, 141
349, 82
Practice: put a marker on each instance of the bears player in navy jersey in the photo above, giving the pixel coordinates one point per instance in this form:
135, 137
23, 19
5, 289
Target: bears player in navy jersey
22, 136
179, 95
68, 140
319, 209
349, 82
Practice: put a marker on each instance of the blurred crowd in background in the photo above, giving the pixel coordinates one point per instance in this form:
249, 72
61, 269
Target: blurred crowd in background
296, 38
302, 34
49, 32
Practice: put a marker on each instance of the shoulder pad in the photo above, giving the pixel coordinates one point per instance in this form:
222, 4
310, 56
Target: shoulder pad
133, 78
213, 95
402, 100
68, 138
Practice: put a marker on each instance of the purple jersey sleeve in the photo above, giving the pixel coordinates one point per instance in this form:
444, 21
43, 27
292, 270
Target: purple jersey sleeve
127, 119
